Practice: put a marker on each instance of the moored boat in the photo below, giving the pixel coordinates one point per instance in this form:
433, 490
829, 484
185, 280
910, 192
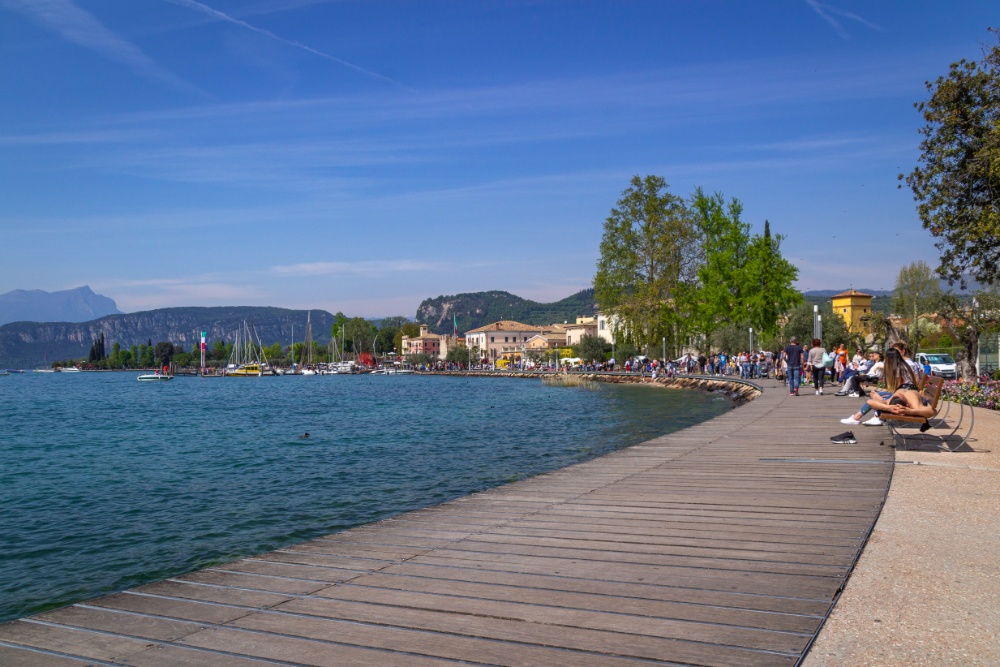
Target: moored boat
155, 377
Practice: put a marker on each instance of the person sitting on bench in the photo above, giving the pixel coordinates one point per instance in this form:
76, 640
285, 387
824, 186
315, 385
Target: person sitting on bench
871, 371
902, 395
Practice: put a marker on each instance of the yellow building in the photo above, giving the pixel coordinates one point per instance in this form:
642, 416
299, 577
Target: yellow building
854, 307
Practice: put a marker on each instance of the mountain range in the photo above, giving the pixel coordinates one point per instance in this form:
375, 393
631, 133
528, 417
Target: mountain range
35, 344
73, 305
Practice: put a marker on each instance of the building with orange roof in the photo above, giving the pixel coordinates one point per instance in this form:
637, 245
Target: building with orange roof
504, 336
854, 308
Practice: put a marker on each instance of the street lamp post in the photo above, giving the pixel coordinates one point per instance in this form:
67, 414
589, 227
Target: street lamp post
664, 357
751, 340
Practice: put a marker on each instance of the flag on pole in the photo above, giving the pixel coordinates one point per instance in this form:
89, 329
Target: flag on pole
454, 318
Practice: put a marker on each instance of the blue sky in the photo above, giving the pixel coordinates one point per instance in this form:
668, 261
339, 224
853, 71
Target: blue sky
363, 155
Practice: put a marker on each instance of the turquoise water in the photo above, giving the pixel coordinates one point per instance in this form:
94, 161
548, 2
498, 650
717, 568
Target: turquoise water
107, 483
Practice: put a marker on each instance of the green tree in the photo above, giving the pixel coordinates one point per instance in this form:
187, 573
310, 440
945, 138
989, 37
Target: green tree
592, 348
410, 329
957, 179
458, 354
800, 324
163, 353
722, 290
339, 320
360, 334
770, 278
917, 292
648, 250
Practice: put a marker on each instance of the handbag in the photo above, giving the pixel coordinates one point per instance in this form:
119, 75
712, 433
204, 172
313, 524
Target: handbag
827, 360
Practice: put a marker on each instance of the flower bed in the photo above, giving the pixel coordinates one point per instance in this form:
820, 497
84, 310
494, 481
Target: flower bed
978, 394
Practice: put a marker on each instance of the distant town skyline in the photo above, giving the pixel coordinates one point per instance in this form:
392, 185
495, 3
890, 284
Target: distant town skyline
362, 156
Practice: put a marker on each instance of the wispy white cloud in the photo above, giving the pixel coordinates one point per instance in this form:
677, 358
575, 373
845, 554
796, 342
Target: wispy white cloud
107, 136
222, 16
81, 28
354, 268
829, 12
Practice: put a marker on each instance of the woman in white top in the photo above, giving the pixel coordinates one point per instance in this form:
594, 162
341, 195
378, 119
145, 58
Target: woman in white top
815, 359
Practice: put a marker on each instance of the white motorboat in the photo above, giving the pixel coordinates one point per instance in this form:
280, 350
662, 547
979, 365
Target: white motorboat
69, 369
155, 377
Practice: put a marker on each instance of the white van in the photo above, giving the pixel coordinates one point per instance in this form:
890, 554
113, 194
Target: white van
942, 365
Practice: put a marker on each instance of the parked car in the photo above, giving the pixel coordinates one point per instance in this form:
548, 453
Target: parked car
941, 365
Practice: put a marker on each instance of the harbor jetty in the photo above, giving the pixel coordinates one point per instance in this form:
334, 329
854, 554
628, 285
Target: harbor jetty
727, 543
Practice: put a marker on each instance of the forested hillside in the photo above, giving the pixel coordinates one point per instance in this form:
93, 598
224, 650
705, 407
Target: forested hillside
475, 309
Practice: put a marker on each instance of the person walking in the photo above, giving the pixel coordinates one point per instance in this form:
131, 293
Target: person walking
817, 359
792, 355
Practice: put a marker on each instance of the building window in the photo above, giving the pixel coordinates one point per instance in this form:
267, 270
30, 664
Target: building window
492, 339
845, 310
601, 325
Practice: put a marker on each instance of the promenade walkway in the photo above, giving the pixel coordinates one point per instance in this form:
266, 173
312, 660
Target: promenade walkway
723, 544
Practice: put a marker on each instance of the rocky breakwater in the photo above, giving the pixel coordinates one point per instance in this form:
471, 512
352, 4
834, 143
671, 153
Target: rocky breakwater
739, 392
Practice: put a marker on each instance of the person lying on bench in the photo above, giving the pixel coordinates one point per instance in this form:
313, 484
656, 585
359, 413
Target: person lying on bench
900, 380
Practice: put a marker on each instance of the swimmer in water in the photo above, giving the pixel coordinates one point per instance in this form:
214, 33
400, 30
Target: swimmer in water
304, 436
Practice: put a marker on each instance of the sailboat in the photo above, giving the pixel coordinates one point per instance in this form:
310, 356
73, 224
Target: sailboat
308, 368
247, 358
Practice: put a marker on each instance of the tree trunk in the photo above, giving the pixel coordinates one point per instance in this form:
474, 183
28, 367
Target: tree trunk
969, 353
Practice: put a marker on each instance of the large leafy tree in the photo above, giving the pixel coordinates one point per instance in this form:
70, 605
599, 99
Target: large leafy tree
769, 277
722, 281
957, 180
360, 334
917, 292
649, 248
592, 348
744, 279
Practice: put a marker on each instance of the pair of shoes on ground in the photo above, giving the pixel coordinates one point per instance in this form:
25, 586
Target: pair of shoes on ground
851, 421
845, 438
819, 392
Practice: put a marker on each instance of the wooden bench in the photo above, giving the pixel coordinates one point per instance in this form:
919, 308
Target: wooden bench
931, 390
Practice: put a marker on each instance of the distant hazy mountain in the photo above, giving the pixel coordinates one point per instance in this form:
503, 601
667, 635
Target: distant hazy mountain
73, 305
34, 344
478, 308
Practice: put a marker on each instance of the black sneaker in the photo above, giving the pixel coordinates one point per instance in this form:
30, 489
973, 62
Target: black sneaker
837, 440
845, 434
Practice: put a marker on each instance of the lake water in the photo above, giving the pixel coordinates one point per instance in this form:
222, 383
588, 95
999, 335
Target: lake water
107, 483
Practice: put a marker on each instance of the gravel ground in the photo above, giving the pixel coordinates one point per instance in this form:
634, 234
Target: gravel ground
926, 590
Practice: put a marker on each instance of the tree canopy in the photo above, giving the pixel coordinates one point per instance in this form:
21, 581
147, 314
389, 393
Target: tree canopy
917, 292
671, 268
957, 179
649, 248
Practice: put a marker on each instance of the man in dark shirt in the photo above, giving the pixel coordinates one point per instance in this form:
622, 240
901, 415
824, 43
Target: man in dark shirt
793, 364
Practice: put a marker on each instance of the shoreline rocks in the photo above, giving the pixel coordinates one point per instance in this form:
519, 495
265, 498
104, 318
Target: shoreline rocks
738, 391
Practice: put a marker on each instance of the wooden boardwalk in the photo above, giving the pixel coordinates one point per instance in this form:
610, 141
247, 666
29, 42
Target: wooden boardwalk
723, 544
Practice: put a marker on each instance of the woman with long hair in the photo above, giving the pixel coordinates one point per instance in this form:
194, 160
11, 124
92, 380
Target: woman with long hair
902, 395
